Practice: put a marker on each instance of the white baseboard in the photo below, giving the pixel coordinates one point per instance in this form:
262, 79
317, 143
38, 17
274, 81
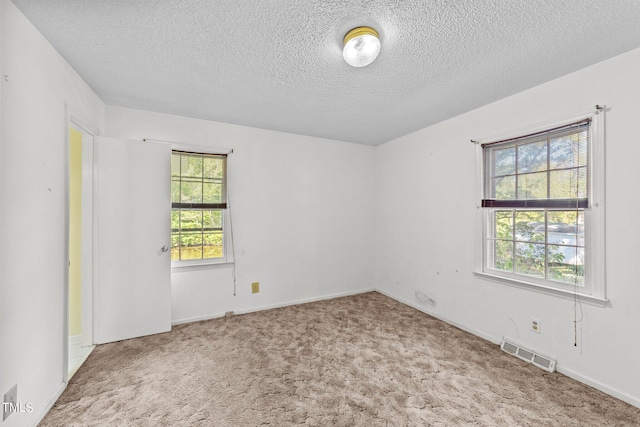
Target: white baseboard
75, 339
561, 369
271, 306
599, 386
196, 319
50, 404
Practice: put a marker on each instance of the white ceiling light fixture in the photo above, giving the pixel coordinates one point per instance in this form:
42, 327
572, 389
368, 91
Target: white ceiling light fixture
361, 46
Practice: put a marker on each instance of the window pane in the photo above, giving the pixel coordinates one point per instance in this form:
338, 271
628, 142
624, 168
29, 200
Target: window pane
568, 151
213, 245
532, 186
212, 219
568, 184
580, 231
505, 161
191, 219
175, 246
565, 228
504, 188
175, 166
191, 245
191, 167
503, 225
175, 191
532, 157
530, 226
213, 167
175, 221
503, 255
581, 141
530, 259
566, 264
212, 192
191, 191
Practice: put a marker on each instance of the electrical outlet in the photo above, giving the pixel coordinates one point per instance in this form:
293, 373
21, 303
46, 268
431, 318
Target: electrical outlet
10, 401
255, 287
535, 325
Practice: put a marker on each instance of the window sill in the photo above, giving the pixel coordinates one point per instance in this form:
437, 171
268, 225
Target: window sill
548, 290
182, 266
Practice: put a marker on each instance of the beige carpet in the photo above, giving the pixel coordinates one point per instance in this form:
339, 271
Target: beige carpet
365, 360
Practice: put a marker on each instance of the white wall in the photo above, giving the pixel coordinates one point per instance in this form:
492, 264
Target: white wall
33, 209
426, 218
302, 210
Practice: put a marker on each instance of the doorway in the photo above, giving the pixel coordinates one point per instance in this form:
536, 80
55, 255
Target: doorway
80, 283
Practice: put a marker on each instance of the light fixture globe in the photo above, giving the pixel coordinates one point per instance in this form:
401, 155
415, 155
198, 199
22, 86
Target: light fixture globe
361, 46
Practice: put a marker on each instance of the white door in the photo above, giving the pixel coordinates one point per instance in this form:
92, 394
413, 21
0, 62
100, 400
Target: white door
133, 205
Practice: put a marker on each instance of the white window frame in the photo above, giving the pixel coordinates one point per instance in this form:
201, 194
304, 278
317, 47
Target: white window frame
594, 290
227, 242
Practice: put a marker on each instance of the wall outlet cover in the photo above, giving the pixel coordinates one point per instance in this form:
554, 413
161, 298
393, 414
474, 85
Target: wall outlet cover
536, 326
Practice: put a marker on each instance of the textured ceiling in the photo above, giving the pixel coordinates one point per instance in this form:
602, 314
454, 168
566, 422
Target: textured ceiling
277, 64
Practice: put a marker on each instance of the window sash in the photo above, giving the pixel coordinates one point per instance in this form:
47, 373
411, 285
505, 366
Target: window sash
207, 233
555, 244
181, 177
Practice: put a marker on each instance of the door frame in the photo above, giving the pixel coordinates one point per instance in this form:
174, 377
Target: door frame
88, 234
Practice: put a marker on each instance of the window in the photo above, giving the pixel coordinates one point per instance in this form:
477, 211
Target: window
198, 206
538, 221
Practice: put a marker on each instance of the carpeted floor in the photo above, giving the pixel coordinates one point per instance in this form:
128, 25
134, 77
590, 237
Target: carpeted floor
363, 360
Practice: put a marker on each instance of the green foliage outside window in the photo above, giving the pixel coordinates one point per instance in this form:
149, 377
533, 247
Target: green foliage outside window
521, 246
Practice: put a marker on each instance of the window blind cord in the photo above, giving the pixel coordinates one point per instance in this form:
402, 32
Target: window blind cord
577, 304
576, 299
233, 245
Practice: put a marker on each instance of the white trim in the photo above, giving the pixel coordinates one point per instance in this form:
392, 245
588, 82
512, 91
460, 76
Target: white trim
490, 338
544, 289
88, 133
539, 126
82, 125
75, 340
598, 385
183, 266
96, 219
52, 401
594, 216
88, 230
271, 306
480, 237
196, 148
66, 245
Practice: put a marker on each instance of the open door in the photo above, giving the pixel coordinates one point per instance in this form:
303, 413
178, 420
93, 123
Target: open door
80, 284
133, 205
